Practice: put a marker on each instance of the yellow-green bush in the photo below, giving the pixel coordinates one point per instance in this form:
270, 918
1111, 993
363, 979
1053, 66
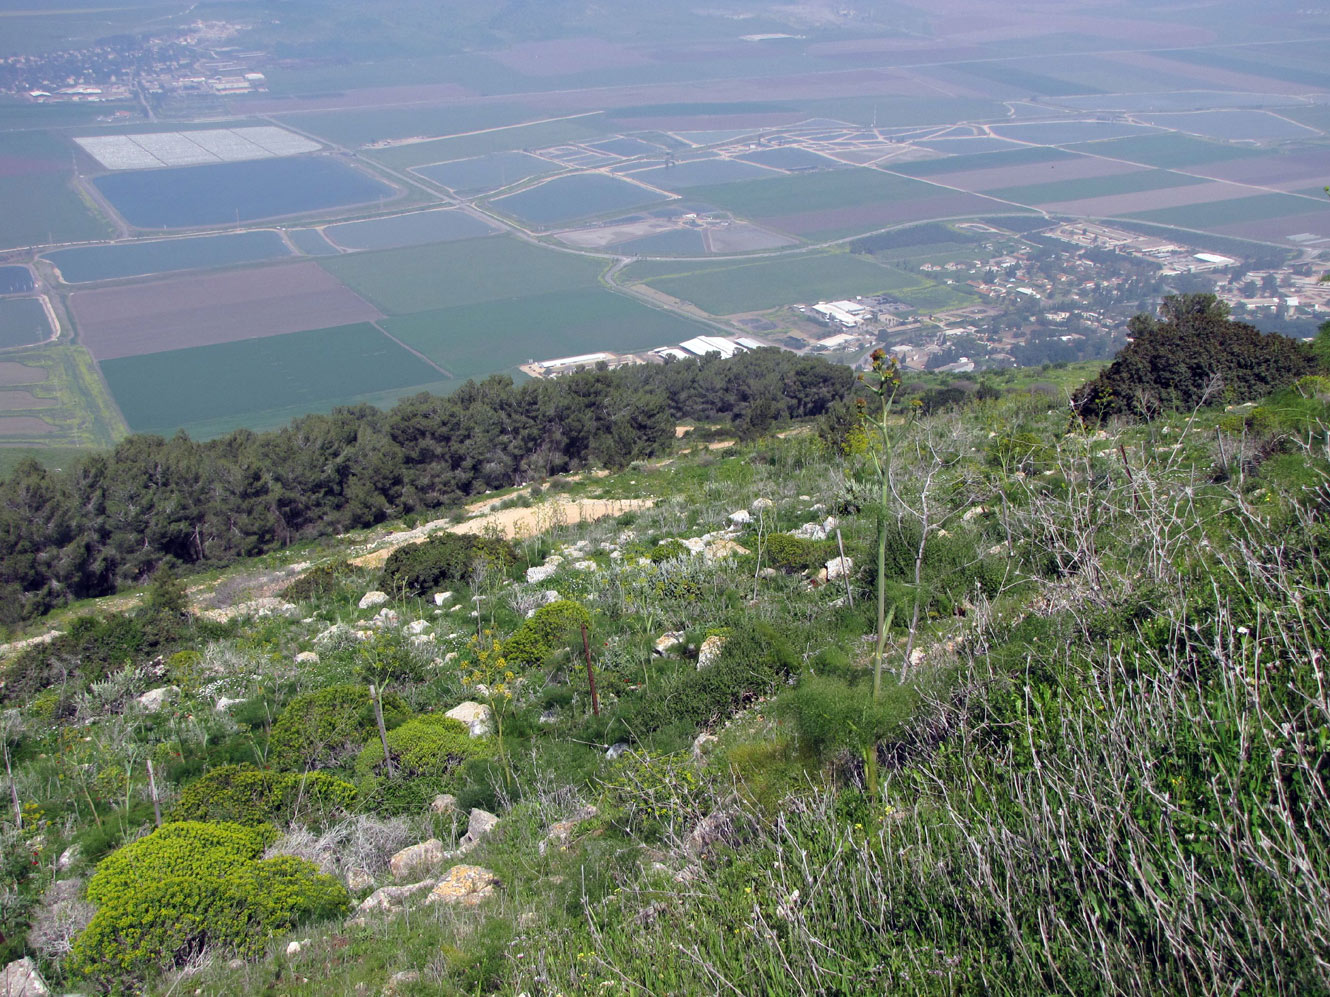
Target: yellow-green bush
326, 728
247, 795
189, 885
425, 752
545, 632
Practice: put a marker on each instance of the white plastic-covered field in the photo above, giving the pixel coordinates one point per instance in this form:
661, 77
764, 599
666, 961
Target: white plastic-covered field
190, 148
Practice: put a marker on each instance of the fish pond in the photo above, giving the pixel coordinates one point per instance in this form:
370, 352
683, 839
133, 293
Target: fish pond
135, 259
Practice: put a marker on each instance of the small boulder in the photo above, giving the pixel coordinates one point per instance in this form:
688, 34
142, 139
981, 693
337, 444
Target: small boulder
540, 573
740, 517
585, 566
441, 597
292, 948
307, 658
709, 652
415, 858
475, 715
393, 898
466, 885
225, 704
154, 699
839, 567
358, 878
703, 744
616, 750
761, 503
418, 627
21, 979
444, 803
561, 832
721, 549
974, 512
67, 858
371, 599
480, 823
667, 640
385, 617
709, 832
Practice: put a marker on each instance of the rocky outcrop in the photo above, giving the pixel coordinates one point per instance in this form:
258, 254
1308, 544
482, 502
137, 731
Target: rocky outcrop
415, 858
709, 653
475, 715
372, 599
152, 701
21, 979
389, 899
465, 886
480, 823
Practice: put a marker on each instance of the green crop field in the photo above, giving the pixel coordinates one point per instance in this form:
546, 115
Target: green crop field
1167, 150
1074, 190
1242, 209
473, 340
937, 297
360, 127
419, 279
159, 392
43, 208
810, 192
728, 290
536, 135
981, 161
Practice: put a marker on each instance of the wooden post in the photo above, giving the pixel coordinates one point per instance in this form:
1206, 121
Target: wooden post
13, 792
383, 732
590, 673
840, 545
152, 791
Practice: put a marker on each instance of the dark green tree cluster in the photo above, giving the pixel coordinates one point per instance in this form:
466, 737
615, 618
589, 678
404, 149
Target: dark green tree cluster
1193, 354
417, 569
113, 518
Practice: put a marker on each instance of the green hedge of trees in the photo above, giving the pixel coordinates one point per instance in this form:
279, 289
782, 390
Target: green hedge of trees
113, 517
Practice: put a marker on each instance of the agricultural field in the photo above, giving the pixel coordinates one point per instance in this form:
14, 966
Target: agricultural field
1260, 126
474, 340
417, 229
482, 174
211, 309
84, 264
356, 128
422, 279
534, 135
1023, 156
675, 242
23, 322
790, 158
1166, 150
1257, 208
568, 199
160, 392
311, 242
1087, 187
230, 193
936, 297
45, 208
730, 289
15, 280
700, 173
1067, 132
1274, 169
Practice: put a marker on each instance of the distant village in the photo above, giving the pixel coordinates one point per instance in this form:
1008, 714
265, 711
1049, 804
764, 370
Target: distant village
1063, 296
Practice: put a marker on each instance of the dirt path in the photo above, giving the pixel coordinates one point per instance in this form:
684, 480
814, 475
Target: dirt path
513, 524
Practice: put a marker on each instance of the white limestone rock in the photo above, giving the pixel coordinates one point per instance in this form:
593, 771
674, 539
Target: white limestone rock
371, 599
476, 716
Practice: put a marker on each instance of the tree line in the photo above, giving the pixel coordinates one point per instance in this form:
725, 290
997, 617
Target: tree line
113, 518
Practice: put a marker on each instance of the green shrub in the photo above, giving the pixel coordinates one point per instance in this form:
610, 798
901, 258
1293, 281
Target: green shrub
319, 581
426, 750
243, 794
667, 550
388, 657
830, 714
164, 898
786, 552
324, 729
548, 629
418, 569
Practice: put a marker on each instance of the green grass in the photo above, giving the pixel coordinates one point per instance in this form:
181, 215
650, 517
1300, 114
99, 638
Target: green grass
1165, 151
1024, 80
48, 457
530, 136
1234, 212
937, 297
423, 278
981, 161
750, 287
44, 208
159, 392
810, 192
474, 340
1073, 190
